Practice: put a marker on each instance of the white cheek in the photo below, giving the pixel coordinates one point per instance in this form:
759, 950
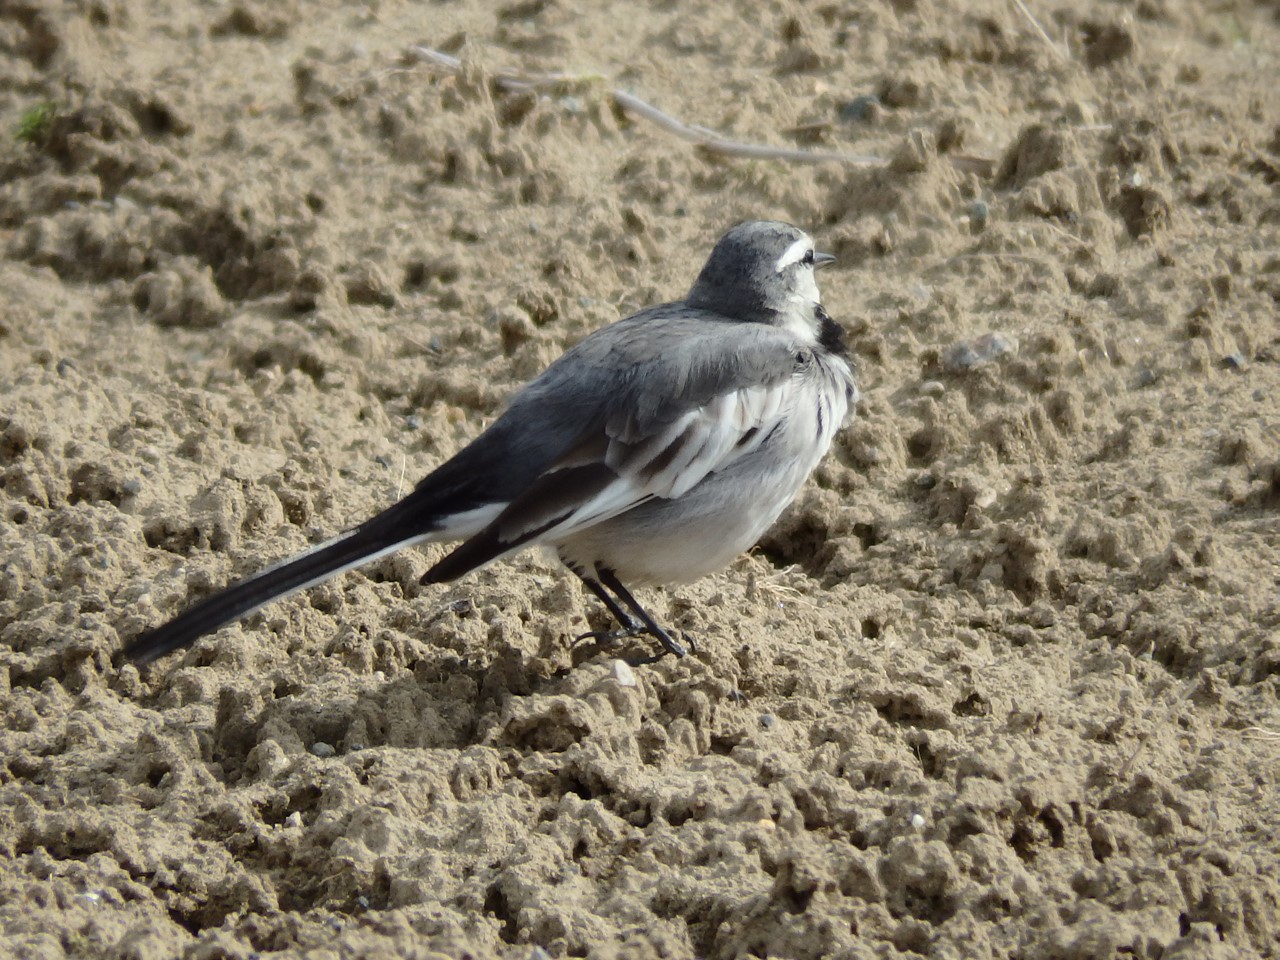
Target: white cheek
807, 287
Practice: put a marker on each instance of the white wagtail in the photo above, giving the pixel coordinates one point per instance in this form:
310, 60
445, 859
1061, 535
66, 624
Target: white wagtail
653, 452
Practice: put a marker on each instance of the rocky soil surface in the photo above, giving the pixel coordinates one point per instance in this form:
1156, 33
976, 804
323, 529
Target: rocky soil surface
1005, 682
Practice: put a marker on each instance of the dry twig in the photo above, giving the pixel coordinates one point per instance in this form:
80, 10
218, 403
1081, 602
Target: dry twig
1168, 717
701, 137
1035, 25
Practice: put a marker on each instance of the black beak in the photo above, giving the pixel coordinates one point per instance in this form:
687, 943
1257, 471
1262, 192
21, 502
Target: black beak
822, 259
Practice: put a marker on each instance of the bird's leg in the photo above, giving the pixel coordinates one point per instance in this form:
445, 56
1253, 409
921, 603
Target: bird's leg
630, 626
610, 579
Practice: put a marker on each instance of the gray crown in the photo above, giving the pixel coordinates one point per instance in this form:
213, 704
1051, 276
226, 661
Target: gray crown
741, 279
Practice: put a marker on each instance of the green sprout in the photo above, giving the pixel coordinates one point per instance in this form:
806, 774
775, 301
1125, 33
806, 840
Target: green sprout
35, 122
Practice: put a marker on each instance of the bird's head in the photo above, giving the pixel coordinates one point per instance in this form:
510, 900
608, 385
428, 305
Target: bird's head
761, 271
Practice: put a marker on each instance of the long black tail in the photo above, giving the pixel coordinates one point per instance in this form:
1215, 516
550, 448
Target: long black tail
380, 535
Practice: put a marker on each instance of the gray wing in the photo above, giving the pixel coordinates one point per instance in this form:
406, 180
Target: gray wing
659, 401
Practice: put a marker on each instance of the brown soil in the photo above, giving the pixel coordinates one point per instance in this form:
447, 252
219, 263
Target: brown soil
1005, 683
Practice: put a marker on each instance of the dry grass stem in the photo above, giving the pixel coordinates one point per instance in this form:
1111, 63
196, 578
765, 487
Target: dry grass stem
1035, 25
706, 140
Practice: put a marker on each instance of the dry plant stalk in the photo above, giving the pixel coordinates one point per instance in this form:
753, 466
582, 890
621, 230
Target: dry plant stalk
1040, 31
704, 139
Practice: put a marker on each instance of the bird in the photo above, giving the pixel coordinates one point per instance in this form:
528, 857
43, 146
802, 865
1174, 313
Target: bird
652, 452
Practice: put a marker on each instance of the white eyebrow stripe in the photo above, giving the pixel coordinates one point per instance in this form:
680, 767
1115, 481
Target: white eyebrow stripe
793, 254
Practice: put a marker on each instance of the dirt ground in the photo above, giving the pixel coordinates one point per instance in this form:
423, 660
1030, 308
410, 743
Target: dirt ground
1004, 683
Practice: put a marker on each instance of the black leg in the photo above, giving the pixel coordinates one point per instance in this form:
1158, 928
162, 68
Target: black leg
629, 624
625, 620
610, 579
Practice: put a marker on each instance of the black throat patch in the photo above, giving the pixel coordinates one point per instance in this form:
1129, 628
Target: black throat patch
830, 334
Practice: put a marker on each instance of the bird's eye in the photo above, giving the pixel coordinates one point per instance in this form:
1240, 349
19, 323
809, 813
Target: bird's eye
807, 258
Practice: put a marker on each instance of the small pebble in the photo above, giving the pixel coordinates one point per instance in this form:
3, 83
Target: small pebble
413, 422
933, 388
970, 354
322, 749
864, 109
1235, 361
293, 820
570, 104
768, 721
1146, 377
131, 488
978, 213
984, 498
917, 821
623, 674
993, 572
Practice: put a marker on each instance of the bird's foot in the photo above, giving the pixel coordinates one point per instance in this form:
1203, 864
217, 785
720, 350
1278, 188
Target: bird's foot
671, 645
607, 638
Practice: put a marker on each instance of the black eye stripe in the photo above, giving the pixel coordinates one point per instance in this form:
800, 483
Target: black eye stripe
808, 257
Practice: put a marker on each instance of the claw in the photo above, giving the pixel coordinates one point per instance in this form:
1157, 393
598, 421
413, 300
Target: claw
670, 645
630, 626
607, 638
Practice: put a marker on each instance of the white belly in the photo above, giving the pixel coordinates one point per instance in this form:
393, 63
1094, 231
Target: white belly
703, 530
